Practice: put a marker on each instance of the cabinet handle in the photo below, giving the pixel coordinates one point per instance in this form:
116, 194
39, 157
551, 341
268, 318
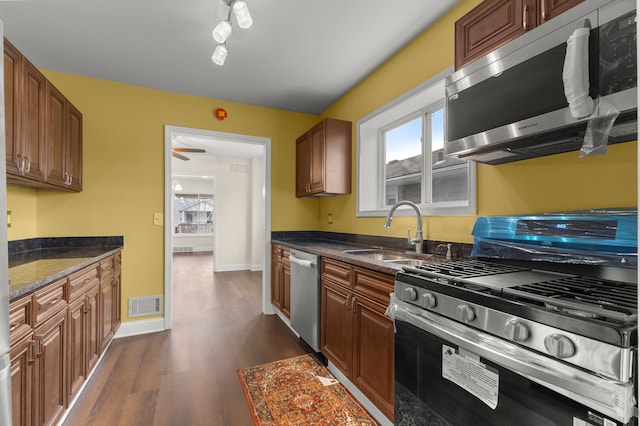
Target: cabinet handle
70, 180
349, 303
20, 163
545, 15
32, 352
27, 161
353, 304
39, 350
525, 17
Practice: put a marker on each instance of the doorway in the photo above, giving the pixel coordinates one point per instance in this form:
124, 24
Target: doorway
240, 166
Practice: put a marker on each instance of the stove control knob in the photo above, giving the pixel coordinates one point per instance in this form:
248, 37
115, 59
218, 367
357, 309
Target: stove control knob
410, 293
465, 313
559, 346
429, 300
517, 331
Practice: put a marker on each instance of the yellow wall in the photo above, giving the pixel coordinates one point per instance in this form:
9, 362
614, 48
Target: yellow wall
124, 164
554, 183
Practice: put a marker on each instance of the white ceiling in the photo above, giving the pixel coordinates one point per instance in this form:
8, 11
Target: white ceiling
299, 55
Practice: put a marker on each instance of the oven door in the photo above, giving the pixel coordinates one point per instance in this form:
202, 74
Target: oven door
449, 374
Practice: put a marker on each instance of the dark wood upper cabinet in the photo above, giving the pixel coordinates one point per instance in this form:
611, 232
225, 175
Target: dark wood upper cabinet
43, 129
494, 23
323, 159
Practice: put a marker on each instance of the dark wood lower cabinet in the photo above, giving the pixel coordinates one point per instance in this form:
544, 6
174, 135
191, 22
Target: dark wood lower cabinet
22, 382
84, 343
50, 370
373, 361
281, 279
356, 335
336, 328
57, 337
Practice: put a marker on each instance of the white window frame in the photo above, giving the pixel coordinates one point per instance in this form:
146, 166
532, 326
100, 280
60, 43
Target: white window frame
370, 153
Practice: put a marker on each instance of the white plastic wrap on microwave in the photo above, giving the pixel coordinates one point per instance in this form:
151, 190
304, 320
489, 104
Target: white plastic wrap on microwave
575, 74
598, 129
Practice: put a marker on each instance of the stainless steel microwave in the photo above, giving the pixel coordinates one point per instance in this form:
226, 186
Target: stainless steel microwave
511, 104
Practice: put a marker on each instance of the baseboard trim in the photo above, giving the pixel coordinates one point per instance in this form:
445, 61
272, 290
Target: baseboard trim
134, 328
229, 268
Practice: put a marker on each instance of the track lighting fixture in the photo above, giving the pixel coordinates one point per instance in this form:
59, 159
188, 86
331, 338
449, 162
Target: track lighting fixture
223, 30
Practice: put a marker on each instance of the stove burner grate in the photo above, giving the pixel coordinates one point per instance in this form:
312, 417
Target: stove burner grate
465, 269
583, 296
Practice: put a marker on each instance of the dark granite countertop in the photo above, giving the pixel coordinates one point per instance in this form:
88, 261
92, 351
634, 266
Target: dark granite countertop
38, 262
335, 250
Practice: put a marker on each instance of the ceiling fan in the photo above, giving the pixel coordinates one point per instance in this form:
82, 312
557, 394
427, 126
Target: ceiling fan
175, 151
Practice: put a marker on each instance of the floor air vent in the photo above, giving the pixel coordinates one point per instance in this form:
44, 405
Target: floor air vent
142, 306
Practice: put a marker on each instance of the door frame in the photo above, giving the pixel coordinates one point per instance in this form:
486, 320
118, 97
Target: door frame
267, 308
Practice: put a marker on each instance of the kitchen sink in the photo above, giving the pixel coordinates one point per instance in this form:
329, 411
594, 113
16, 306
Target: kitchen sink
405, 261
385, 256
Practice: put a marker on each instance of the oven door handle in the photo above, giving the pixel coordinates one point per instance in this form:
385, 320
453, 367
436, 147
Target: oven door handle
610, 397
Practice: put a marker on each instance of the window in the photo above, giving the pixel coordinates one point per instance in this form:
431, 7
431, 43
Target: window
404, 141
193, 214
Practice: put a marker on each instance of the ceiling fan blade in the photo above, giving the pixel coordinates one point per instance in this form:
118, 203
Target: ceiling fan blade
180, 156
188, 150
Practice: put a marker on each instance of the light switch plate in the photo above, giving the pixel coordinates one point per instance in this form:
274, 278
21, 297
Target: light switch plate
157, 219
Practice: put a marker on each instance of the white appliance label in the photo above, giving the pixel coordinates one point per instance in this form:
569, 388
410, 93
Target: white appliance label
471, 375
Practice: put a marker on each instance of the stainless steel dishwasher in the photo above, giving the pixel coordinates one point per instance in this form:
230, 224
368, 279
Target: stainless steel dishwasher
305, 297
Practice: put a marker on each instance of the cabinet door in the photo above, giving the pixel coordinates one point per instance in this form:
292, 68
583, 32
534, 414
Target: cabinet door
106, 313
21, 355
56, 134
316, 162
33, 123
286, 288
12, 95
50, 370
336, 325
549, 9
276, 276
77, 346
73, 145
373, 354
92, 328
490, 25
303, 165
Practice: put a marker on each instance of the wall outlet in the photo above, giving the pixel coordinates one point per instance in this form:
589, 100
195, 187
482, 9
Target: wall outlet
157, 219
8, 218
330, 218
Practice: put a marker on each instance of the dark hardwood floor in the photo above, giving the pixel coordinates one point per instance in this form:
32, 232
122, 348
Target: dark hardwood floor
187, 376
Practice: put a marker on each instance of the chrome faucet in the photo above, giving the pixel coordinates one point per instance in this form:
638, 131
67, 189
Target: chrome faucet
417, 241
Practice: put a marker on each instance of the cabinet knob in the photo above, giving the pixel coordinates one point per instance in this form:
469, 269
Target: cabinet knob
465, 313
559, 346
516, 331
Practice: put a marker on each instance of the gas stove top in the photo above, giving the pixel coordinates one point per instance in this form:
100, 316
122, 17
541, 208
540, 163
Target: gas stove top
580, 296
601, 309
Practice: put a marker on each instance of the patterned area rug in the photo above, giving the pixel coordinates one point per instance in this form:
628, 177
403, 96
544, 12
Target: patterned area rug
299, 391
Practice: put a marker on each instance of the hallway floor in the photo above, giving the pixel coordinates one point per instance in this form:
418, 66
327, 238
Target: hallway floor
187, 376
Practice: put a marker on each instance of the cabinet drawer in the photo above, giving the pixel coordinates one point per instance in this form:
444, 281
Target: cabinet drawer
82, 280
20, 319
374, 285
336, 271
48, 301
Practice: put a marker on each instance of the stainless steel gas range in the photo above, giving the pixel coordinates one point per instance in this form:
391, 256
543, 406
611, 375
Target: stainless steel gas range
538, 328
